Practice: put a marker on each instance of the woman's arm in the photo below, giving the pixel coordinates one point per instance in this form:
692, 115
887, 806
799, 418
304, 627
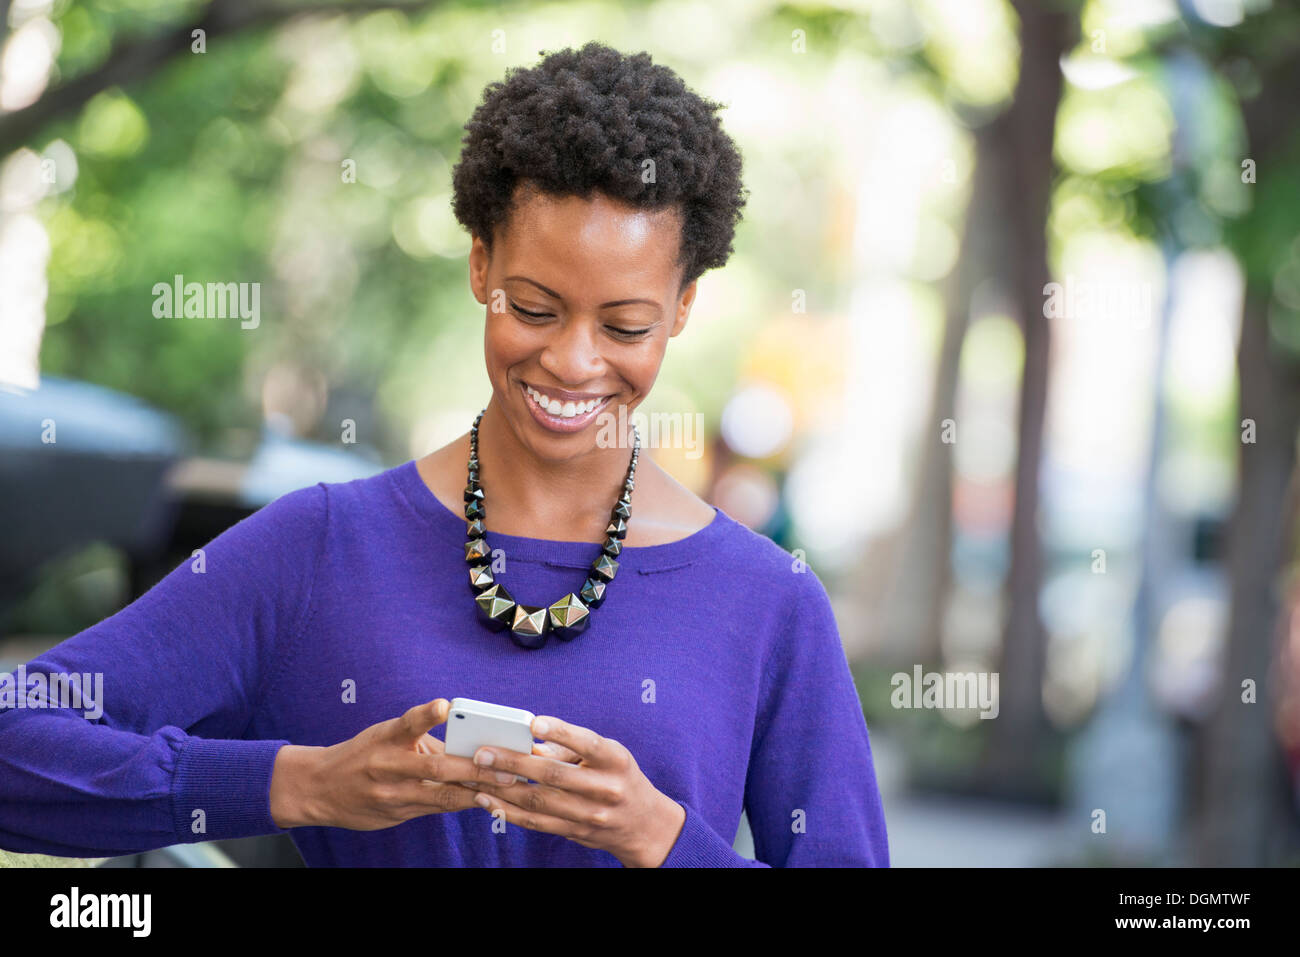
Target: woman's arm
810, 791
178, 676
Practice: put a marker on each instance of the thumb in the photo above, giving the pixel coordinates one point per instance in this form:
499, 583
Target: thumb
423, 718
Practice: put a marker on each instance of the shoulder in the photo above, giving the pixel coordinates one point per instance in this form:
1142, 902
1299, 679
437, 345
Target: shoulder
288, 514
763, 562
781, 590
278, 535
749, 559
308, 510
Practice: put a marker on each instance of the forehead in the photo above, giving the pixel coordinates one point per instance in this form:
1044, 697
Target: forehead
575, 245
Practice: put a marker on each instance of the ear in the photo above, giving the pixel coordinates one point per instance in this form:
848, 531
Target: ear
684, 308
479, 260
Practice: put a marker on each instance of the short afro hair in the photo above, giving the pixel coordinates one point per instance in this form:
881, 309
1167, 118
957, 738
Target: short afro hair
588, 120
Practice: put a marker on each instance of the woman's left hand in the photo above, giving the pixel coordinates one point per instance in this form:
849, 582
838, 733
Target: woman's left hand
604, 801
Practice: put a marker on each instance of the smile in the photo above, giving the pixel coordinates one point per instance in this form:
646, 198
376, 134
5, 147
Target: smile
561, 415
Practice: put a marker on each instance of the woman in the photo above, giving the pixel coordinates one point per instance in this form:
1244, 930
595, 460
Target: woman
682, 666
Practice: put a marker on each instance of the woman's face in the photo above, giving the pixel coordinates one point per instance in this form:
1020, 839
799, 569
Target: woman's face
581, 300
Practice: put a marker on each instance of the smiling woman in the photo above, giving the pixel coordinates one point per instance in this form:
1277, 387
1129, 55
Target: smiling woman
300, 682
597, 189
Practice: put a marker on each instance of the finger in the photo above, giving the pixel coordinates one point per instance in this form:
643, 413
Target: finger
465, 771
431, 797
595, 750
549, 749
540, 799
428, 744
546, 771
421, 719
438, 765
533, 820
439, 768
448, 767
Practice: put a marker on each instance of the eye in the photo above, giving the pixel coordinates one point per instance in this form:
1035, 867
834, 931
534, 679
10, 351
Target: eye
630, 334
530, 315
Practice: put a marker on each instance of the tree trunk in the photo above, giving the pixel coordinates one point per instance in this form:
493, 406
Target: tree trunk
912, 608
1012, 759
1244, 784
1241, 816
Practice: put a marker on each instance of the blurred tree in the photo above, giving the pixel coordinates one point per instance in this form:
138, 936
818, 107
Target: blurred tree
921, 575
1013, 761
134, 59
1002, 263
226, 166
1242, 816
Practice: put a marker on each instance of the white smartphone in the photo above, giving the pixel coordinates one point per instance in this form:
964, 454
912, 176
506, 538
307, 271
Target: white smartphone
475, 724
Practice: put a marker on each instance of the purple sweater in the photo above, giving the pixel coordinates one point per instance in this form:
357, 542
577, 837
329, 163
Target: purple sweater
715, 660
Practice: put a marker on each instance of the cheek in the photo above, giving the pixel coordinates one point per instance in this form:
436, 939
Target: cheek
501, 345
643, 370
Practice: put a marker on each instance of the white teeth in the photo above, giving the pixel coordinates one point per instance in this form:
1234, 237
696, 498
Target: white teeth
567, 409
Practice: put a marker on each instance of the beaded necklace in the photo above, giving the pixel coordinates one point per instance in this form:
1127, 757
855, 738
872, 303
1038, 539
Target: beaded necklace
530, 625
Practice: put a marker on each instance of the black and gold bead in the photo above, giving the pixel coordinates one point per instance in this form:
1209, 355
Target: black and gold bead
568, 617
496, 607
480, 577
604, 567
529, 628
593, 592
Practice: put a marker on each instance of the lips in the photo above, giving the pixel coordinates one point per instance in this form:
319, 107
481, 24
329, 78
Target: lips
583, 401
561, 423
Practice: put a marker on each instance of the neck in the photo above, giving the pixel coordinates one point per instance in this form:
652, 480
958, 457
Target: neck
572, 492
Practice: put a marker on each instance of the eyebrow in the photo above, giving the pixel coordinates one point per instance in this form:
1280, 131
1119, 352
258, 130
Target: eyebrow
603, 305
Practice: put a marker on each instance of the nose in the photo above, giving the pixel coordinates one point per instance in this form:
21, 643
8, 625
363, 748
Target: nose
572, 355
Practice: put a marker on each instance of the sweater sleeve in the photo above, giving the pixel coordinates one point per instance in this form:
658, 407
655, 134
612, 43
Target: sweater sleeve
153, 751
810, 791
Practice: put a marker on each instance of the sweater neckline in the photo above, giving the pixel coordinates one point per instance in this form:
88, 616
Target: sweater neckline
549, 551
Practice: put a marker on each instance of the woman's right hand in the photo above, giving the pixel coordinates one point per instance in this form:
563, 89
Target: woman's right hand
391, 772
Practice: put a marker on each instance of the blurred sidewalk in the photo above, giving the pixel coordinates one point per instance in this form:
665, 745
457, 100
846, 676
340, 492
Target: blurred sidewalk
962, 832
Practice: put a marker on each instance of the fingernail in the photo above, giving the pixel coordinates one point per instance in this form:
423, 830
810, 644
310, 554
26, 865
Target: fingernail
484, 758
541, 726
470, 784
481, 800
504, 778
